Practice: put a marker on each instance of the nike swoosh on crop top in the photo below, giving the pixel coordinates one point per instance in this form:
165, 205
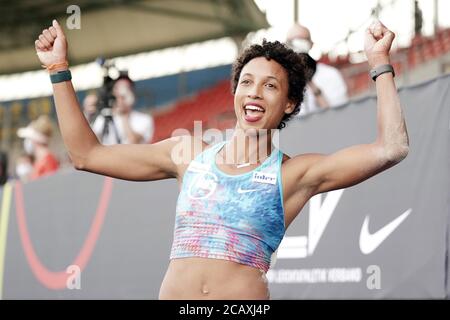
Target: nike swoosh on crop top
239, 218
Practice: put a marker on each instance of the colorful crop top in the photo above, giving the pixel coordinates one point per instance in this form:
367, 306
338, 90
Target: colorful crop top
239, 218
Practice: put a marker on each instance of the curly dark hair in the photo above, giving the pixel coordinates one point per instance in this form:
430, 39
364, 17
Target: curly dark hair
295, 64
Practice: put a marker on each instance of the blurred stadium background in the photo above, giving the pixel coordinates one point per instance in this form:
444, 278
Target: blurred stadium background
179, 52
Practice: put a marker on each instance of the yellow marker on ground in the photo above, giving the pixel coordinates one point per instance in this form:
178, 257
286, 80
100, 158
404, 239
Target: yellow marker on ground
4, 218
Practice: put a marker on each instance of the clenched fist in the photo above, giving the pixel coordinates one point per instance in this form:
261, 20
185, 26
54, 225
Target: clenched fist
51, 47
377, 43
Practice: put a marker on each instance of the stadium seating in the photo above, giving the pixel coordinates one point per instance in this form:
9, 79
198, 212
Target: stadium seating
213, 106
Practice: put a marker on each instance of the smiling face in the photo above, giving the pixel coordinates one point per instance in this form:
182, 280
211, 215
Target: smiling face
261, 97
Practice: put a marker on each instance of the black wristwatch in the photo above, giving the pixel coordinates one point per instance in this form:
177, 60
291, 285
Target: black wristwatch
375, 72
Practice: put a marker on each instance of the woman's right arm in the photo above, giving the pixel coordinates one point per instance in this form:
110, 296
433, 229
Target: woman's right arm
129, 162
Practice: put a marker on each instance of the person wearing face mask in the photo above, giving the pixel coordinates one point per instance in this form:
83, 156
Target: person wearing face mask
327, 87
132, 126
36, 141
24, 167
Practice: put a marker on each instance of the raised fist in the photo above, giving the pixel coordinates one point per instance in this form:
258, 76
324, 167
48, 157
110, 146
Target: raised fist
51, 47
377, 43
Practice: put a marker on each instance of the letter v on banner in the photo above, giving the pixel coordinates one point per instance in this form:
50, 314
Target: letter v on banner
319, 215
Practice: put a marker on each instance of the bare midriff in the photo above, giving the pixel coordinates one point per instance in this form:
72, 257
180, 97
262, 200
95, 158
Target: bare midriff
202, 278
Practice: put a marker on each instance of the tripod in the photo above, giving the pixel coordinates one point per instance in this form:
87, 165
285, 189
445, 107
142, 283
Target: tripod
109, 121
106, 101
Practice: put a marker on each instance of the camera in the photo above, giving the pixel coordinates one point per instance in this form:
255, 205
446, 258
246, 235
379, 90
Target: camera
105, 96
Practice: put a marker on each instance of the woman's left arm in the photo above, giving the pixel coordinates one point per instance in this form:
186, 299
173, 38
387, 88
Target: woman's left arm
392, 133
320, 173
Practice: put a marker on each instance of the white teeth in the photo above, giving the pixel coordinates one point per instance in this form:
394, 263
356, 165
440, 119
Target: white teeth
254, 108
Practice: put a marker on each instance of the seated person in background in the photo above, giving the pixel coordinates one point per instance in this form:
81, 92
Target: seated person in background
132, 126
327, 87
37, 137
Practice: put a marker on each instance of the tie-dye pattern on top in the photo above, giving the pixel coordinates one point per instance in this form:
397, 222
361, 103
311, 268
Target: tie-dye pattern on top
232, 217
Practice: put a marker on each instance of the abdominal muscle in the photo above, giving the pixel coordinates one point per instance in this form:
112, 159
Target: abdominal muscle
202, 278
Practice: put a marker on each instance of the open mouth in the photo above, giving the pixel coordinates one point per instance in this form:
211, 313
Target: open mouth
253, 112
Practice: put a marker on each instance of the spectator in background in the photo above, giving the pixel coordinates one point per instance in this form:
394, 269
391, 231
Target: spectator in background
132, 126
3, 167
90, 107
36, 141
327, 87
24, 167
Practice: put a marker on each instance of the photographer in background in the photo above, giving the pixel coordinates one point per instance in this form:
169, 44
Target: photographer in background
128, 125
90, 107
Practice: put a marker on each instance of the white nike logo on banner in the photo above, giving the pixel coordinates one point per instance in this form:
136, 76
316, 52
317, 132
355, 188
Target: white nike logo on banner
369, 242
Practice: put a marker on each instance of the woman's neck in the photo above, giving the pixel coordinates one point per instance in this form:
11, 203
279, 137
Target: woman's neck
244, 149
